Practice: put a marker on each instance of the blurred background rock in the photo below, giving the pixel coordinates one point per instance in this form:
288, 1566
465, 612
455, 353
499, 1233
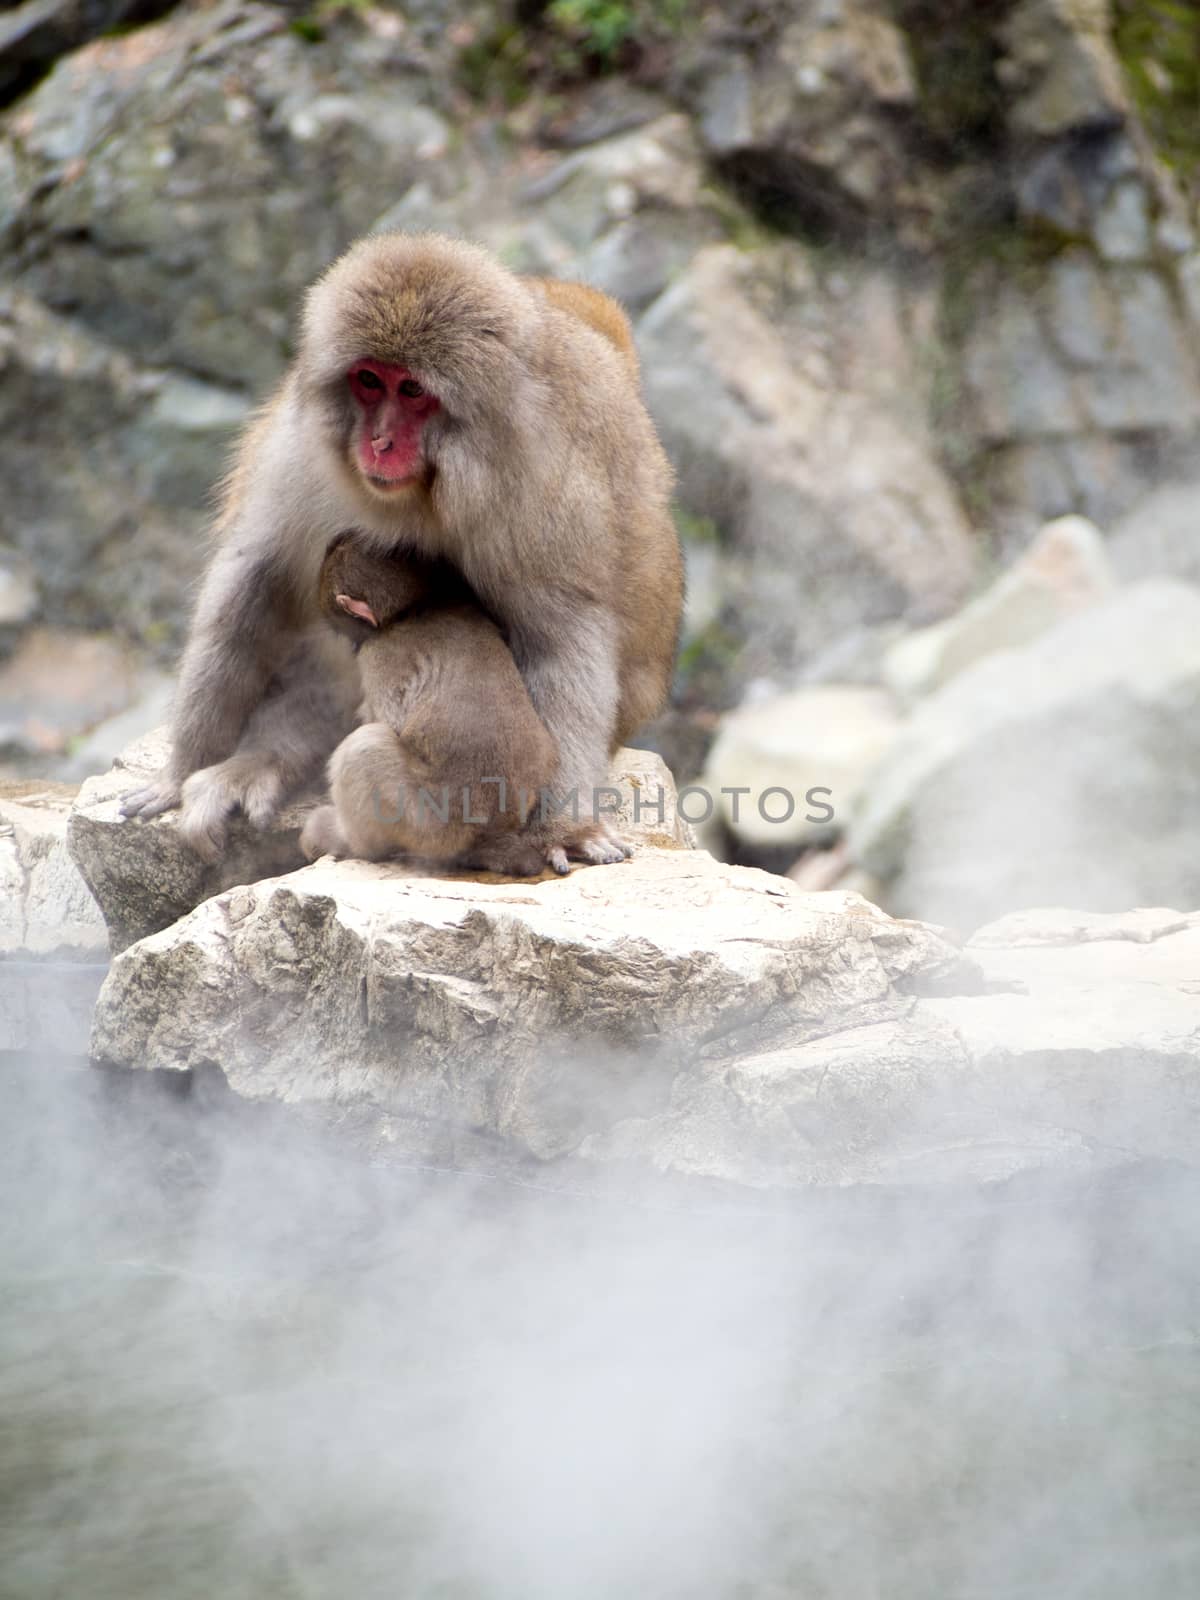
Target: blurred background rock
910, 278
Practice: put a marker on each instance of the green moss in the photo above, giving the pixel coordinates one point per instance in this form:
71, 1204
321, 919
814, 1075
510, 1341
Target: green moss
498, 65
312, 24
693, 528
705, 664
975, 266
1158, 42
598, 32
547, 46
158, 632
744, 229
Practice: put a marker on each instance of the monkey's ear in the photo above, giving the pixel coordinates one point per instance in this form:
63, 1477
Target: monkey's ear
357, 608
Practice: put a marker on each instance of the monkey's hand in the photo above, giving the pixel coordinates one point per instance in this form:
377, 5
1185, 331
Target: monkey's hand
563, 840
152, 799
249, 784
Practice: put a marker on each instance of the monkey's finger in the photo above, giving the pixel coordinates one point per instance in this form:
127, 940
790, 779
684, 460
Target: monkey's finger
556, 857
151, 800
261, 798
599, 852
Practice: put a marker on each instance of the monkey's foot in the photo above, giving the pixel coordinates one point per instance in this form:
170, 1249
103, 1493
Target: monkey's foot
322, 834
593, 843
151, 800
214, 794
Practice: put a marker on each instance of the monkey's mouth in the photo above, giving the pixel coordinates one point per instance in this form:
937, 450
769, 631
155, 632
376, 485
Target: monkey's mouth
390, 485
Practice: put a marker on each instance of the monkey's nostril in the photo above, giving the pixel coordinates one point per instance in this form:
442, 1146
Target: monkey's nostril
381, 444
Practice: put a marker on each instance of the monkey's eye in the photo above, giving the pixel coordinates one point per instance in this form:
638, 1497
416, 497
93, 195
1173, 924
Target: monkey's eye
366, 379
410, 389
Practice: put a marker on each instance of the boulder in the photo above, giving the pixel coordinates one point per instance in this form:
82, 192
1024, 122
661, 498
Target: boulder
59, 684
1161, 536
48, 909
18, 591
1088, 1058
1067, 369
53, 942
1064, 772
824, 741
441, 1015
1060, 69
112, 530
33, 33
1065, 569
144, 876
677, 1019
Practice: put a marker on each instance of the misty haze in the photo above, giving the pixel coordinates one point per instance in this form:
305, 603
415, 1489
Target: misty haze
762, 1164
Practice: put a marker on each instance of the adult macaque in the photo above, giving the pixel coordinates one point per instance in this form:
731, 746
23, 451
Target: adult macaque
451, 754
444, 406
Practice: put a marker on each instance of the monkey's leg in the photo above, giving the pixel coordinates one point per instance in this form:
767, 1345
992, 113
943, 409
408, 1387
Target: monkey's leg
574, 691
287, 740
237, 636
389, 803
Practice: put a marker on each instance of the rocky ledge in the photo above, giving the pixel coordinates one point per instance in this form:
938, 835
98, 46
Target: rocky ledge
676, 1017
144, 876
670, 1018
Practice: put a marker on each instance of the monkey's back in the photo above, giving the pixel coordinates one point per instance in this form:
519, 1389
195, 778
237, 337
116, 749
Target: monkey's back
447, 685
625, 486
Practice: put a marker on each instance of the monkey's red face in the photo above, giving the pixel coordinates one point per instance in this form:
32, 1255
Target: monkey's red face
393, 407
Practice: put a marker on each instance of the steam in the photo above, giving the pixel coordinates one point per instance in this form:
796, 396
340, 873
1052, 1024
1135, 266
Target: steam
239, 1363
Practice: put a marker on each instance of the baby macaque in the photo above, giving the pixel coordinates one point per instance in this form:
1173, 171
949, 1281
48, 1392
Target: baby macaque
451, 756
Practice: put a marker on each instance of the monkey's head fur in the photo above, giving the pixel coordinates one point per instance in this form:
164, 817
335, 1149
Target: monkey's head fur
363, 591
441, 308
407, 339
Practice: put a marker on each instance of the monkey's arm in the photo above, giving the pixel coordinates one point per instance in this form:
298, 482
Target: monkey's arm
571, 674
243, 611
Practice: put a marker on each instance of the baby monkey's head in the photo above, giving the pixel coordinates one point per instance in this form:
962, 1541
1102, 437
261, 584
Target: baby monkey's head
362, 591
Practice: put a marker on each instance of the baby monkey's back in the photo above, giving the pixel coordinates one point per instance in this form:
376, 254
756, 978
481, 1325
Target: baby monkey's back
452, 754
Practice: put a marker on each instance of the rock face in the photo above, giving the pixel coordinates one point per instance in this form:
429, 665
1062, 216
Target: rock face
144, 876
540, 1014
1067, 772
1026, 332
676, 1017
760, 376
53, 943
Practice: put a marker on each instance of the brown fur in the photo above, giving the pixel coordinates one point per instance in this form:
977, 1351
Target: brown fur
445, 711
545, 486
598, 310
